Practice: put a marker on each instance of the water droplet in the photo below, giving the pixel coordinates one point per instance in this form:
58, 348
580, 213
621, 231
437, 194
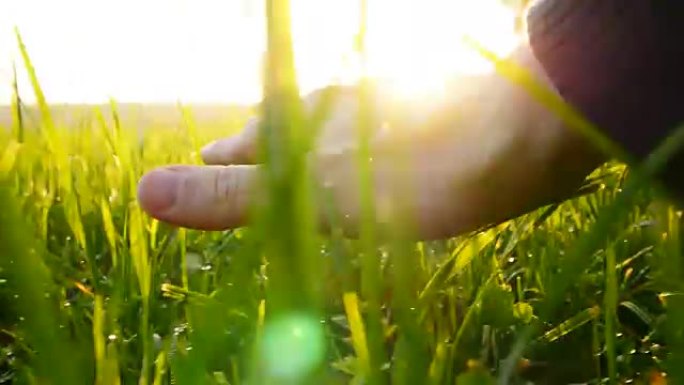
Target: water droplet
180, 329
157, 341
21, 319
112, 337
207, 267
193, 262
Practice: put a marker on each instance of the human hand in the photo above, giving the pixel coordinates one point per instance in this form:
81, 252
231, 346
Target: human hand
452, 170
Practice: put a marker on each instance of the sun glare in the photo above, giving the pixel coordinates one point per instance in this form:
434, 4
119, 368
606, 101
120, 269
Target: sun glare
419, 45
415, 46
210, 50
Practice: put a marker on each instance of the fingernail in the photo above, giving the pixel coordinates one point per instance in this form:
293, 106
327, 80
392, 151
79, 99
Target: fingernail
157, 190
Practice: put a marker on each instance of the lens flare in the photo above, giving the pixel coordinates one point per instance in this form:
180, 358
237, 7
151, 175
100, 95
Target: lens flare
292, 346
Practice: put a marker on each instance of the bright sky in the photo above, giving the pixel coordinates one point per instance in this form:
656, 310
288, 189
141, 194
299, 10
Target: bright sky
210, 50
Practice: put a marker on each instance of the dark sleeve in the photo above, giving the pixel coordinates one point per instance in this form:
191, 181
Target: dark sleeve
621, 63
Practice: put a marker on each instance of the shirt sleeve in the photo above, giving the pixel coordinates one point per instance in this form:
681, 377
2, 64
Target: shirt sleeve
621, 63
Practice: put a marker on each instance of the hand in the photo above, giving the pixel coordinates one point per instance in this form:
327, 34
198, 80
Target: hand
459, 165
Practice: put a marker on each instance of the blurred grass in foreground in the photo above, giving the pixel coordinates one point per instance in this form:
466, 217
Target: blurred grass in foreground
95, 292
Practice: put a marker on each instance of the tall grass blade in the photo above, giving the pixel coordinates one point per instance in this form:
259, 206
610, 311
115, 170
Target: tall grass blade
17, 114
55, 359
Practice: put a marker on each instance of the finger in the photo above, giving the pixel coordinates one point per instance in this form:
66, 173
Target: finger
238, 149
199, 197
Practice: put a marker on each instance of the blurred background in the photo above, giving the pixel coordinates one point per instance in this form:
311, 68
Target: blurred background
198, 51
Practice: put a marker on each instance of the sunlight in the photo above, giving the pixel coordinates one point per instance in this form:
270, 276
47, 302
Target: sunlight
415, 46
211, 50
418, 47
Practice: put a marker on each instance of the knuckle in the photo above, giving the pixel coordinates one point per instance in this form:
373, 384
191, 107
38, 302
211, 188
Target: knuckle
226, 185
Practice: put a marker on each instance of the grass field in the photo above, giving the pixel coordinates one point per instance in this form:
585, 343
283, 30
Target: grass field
93, 291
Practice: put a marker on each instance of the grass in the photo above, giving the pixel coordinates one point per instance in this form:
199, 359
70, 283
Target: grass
95, 292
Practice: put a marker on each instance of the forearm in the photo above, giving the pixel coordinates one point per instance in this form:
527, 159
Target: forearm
621, 64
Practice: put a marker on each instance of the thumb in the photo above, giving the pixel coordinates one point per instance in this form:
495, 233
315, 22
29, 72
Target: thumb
237, 149
199, 197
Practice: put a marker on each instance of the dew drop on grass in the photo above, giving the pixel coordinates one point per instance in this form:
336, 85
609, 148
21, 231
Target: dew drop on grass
180, 329
206, 267
157, 341
193, 262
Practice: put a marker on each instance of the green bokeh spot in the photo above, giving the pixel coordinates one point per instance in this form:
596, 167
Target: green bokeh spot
293, 345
